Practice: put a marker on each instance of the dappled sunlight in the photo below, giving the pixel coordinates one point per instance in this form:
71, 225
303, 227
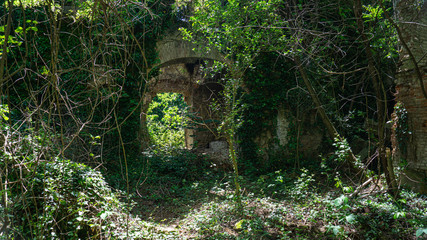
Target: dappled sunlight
213, 119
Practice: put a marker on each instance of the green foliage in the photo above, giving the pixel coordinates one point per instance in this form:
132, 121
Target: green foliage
76, 202
237, 29
401, 126
166, 120
209, 222
252, 34
29, 3
270, 88
16, 40
46, 197
303, 185
4, 111
342, 149
241, 31
317, 214
280, 185
157, 175
95, 103
176, 168
339, 184
386, 43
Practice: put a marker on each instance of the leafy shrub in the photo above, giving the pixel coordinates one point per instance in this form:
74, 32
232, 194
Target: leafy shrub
166, 120
74, 201
48, 197
66, 200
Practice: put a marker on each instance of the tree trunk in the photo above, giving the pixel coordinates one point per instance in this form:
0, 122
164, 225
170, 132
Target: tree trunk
380, 101
333, 133
4, 186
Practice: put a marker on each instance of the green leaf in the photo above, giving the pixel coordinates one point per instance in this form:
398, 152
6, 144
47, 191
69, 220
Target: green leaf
420, 232
4, 116
239, 224
399, 215
351, 218
19, 30
341, 201
35, 29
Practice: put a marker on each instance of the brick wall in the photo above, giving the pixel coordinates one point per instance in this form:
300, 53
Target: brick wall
413, 24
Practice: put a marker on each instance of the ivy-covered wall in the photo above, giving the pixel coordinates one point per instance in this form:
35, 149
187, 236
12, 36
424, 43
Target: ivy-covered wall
280, 125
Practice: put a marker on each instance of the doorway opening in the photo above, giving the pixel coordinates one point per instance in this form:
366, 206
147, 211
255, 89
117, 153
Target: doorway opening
167, 121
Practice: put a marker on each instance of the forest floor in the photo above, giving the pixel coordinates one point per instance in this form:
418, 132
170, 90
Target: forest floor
297, 204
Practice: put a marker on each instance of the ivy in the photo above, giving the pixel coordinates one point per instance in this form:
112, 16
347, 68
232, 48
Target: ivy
401, 126
269, 89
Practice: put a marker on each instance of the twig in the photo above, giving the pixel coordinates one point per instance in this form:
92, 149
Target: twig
359, 188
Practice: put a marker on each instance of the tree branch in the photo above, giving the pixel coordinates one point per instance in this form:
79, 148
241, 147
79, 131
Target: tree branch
408, 50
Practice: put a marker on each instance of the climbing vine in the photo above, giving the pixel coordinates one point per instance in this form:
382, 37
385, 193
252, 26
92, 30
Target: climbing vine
401, 126
269, 88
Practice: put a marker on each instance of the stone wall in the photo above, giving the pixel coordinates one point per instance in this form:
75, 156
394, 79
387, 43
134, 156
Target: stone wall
412, 148
305, 132
179, 64
198, 93
175, 50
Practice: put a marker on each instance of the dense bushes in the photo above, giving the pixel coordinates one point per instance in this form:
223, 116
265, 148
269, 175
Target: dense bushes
48, 197
71, 201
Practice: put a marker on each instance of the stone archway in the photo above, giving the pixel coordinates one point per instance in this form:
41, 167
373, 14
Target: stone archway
179, 73
173, 49
179, 67
198, 93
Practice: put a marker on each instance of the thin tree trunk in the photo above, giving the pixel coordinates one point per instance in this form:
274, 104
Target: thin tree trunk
333, 133
6, 37
381, 99
4, 186
237, 192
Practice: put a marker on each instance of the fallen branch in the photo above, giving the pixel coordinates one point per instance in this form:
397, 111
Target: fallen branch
359, 188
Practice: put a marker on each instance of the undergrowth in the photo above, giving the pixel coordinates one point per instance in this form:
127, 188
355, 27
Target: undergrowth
180, 196
190, 200
301, 210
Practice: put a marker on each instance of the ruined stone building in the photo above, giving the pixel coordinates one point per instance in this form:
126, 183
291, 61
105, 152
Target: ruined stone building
410, 125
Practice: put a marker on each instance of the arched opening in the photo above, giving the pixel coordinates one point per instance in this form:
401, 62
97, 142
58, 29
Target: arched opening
167, 120
186, 81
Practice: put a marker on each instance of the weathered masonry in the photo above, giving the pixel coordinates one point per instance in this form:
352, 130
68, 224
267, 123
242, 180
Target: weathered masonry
410, 125
179, 73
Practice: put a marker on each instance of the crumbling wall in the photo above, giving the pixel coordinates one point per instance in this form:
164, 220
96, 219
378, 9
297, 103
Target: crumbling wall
410, 116
198, 93
304, 134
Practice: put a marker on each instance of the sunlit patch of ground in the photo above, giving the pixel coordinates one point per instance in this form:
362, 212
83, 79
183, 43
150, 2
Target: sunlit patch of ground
208, 211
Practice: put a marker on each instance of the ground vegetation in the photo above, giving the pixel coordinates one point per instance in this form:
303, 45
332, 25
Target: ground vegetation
73, 79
